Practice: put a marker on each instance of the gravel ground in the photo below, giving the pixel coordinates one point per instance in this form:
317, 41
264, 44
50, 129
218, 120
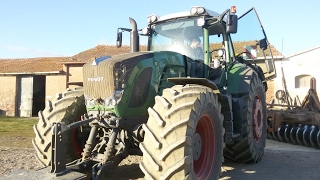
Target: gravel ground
24, 159
12, 159
281, 161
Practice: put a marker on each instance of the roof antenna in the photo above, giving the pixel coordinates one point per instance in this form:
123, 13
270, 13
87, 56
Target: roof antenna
282, 47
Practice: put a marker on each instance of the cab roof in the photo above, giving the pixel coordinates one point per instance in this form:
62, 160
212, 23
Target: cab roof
188, 13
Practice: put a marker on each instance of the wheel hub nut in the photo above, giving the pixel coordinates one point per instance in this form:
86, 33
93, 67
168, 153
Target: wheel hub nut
197, 145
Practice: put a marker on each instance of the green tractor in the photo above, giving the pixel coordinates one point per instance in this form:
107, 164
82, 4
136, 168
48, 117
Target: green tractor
193, 98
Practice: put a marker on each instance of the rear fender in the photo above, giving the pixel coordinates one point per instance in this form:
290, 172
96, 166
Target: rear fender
239, 78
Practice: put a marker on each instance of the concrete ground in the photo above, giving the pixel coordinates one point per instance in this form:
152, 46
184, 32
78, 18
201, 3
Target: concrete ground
280, 161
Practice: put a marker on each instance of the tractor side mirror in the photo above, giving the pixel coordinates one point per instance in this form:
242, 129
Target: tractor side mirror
232, 23
119, 39
263, 44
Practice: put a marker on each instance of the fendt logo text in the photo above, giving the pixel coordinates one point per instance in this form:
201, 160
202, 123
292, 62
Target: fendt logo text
95, 78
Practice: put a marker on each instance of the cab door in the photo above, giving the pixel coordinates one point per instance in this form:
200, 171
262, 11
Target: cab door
252, 44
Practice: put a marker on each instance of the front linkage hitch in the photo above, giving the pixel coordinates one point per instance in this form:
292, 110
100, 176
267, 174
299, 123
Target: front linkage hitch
75, 169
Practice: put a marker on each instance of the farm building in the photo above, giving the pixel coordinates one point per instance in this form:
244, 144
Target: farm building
28, 83
298, 69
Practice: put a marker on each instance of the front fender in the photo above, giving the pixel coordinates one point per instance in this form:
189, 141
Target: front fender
200, 81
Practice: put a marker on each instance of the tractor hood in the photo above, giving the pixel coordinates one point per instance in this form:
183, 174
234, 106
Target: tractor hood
126, 84
105, 75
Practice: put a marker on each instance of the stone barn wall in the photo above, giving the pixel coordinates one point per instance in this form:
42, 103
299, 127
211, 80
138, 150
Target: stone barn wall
8, 94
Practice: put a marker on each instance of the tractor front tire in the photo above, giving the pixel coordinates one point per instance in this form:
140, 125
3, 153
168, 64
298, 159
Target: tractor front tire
254, 126
67, 109
184, 135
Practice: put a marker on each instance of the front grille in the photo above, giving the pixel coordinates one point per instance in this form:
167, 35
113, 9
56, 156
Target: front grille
98, 80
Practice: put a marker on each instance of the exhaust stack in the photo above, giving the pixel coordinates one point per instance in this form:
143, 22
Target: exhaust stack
134, 37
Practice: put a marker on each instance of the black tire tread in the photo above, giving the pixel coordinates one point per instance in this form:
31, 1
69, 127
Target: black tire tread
246, 150
169, 130
65, 108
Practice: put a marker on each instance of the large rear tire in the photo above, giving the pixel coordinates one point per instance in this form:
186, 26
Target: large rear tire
254, 127
67, 109
184, 135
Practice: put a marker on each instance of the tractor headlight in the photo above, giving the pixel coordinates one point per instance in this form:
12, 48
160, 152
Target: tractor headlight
200, 22
193, 10
89, 102
197, 10
145, 31
114, 99
112, 102
153, 18
118, 94
200, 10
119, 73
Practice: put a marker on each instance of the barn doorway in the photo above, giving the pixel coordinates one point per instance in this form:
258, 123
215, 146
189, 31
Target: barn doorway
31, 95
39, 94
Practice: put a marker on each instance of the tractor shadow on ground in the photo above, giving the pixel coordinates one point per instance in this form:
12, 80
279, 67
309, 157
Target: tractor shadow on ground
125, 172
280, 161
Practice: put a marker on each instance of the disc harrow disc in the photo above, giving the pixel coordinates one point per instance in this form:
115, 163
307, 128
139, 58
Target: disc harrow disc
306, 135
281, 130
275, 135
313, 136
299, 134
269, 135
287, 131
318, 137
293, 133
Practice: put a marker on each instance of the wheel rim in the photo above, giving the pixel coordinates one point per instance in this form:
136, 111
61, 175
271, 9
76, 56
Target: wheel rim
75, 143
257, 117
203, 162
78, 149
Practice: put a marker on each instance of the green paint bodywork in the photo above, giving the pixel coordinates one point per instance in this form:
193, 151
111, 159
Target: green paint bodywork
239, 76
164, 64
206, 51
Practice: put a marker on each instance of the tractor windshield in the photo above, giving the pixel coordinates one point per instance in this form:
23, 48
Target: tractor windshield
183, 36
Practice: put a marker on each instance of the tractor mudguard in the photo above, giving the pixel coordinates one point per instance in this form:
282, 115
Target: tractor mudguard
238, 80
200, 81
249, 115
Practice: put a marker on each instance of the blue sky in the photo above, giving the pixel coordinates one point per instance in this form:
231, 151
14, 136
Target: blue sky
65, 28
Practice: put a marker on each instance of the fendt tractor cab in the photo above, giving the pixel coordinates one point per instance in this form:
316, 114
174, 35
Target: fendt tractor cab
197, 94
